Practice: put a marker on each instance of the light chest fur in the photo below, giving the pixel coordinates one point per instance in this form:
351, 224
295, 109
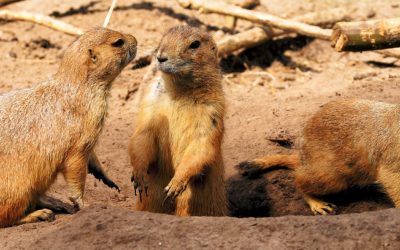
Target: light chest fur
180, 119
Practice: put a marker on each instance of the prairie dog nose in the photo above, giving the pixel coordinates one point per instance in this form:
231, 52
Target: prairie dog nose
131, 39
162, 59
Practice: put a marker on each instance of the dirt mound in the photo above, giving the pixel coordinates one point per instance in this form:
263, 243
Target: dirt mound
106, 227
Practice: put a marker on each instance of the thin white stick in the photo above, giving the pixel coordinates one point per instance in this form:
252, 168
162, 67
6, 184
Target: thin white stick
110, 11
40, 19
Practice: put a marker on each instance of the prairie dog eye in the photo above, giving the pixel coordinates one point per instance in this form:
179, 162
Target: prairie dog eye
195, 44
118, 44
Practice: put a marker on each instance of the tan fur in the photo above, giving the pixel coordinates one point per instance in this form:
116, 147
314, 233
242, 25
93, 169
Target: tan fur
288, 161
347, 143
52, 127
176, 147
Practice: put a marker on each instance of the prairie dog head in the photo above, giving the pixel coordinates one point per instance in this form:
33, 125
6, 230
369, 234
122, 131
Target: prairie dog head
187, 54
99, 55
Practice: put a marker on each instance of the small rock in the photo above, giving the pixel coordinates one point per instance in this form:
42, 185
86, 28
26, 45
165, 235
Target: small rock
371, 14
12, 54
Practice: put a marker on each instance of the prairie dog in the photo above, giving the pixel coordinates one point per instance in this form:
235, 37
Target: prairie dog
51, 128
175, 149
351, 142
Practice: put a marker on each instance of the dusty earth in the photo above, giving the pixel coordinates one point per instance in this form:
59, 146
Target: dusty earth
302, 74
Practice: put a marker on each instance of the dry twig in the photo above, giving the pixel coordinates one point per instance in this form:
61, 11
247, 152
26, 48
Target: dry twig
258, 17
110, 11
40, 19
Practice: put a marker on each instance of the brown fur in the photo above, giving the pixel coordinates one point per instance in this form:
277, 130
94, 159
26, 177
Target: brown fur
347, 143
52, 127
176, 147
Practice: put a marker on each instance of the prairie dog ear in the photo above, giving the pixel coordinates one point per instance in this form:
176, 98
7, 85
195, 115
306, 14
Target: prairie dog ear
93, 56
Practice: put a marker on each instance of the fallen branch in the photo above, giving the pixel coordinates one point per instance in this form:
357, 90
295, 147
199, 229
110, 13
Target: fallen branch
266, 19
40, 19
366, 35
258, 17
258, 35
243, 40
230, 21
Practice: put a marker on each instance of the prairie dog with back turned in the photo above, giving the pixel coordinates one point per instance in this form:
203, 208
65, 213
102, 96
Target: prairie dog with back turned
53, 127
351, 142
175, 150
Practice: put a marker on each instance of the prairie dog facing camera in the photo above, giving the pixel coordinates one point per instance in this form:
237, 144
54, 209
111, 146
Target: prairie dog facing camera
175, 149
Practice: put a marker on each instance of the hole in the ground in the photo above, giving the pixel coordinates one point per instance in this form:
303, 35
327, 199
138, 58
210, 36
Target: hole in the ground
274, 194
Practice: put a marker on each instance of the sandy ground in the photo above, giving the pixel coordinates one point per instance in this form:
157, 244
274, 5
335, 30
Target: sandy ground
109, 227
302, 75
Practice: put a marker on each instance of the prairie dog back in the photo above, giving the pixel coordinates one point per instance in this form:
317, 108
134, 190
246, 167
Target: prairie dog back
350, 142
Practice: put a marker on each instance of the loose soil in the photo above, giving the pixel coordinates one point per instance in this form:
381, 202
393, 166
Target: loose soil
271, 91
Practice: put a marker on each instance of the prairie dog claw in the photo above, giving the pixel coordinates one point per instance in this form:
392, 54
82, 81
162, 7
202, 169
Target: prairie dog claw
139, 186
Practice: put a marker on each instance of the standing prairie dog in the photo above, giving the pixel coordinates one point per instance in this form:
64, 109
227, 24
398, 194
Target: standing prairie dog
52, 127
346, 143
175, 150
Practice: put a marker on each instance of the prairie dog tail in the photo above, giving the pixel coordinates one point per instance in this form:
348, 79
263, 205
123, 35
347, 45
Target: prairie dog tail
258, 166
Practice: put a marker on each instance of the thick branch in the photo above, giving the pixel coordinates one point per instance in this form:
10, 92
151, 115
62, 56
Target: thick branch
243, 40
40, 19
258, 17
258, 35
366, 35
